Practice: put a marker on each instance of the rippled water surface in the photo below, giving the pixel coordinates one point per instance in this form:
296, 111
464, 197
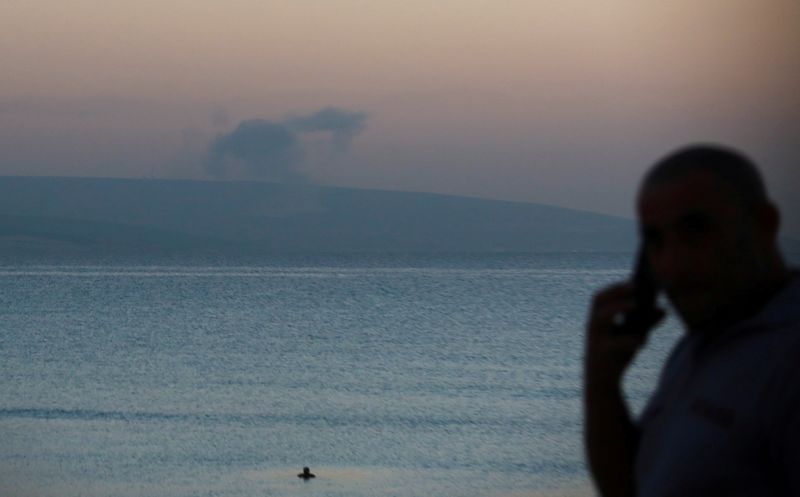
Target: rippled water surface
388, 375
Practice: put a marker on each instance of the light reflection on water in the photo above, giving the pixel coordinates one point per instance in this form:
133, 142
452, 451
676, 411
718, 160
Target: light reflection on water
440, 375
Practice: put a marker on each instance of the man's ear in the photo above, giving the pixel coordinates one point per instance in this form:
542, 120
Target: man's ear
769, 222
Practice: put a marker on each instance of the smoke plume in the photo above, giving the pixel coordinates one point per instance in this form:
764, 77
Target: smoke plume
273, 150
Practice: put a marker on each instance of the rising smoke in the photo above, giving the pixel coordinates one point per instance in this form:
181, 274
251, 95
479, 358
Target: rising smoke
273, 150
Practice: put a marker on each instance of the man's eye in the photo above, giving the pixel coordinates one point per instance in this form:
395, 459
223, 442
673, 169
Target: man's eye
652, 240
695, 225
696, 228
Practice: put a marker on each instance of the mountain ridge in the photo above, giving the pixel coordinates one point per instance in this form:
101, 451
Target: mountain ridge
117, 214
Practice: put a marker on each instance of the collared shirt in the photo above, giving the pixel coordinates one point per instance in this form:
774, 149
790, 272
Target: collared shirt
725, 418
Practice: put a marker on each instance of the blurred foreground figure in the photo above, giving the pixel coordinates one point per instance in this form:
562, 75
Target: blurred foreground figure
725, 418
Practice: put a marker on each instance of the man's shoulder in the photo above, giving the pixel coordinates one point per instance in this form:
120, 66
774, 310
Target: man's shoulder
745, 360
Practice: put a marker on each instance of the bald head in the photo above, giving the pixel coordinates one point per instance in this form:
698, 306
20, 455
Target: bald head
732, 168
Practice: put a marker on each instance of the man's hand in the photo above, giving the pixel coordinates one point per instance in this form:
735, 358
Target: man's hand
610, 436
608, 352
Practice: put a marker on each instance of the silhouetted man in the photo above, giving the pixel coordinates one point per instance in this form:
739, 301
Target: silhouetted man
725, 418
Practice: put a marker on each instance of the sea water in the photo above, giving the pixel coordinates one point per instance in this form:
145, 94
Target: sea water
402, 375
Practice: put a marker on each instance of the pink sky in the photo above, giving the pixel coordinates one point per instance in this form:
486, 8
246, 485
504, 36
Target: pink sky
562, 102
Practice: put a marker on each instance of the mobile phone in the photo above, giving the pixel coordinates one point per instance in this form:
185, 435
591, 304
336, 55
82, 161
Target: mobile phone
645, 294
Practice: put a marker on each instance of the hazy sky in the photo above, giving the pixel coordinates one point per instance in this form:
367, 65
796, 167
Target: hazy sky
563, 102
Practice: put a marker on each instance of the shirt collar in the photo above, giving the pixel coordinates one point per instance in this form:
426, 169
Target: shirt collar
783, 308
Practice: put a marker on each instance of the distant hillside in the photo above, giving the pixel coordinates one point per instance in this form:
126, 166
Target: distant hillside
126, 215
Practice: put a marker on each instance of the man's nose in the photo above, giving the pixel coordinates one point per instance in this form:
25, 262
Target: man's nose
669, 263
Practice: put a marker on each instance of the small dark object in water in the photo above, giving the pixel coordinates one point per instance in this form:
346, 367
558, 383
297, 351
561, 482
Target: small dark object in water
306, 474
